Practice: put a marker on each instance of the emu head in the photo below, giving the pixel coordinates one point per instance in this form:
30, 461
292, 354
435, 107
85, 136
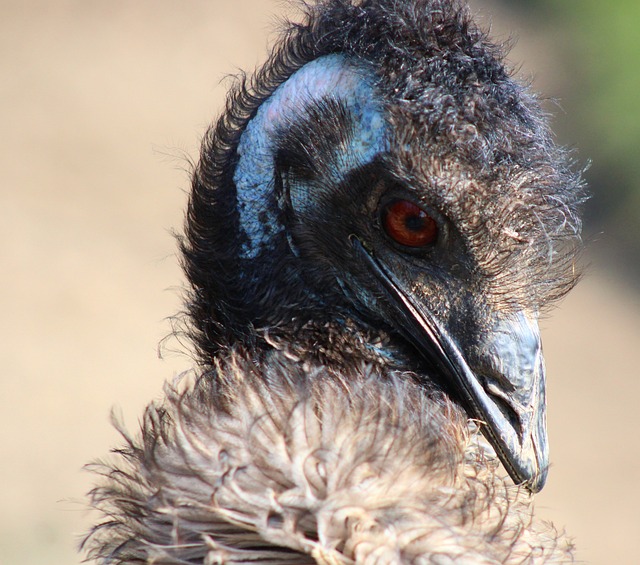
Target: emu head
385, 172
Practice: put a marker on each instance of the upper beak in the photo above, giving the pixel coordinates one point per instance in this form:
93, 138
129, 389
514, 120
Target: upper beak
509, 399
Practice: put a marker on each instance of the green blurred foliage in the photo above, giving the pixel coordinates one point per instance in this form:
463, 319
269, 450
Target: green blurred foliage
598, 47
607, 41
602, 43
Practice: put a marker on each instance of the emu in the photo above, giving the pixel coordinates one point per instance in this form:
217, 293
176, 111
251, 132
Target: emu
375, 224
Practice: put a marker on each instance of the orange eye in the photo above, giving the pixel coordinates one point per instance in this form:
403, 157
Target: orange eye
408, 224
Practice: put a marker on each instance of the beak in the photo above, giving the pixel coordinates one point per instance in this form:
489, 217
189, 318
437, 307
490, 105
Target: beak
509, 399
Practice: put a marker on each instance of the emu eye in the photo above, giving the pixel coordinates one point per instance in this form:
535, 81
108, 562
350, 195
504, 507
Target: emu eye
408, 224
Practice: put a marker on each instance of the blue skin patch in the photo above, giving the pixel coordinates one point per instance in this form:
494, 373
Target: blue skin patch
329, 76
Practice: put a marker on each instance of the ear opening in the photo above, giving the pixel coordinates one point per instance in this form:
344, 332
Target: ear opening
331, 77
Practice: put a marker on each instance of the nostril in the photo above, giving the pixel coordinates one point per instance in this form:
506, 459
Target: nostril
493, 377
504, 401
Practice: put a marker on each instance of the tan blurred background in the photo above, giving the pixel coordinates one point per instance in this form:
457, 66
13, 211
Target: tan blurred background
101, 102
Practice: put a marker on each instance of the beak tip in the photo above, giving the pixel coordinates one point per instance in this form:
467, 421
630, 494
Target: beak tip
530, 465
537, 480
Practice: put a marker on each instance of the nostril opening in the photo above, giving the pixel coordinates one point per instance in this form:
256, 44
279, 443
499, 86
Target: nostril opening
493, 377
507, 411
504, 402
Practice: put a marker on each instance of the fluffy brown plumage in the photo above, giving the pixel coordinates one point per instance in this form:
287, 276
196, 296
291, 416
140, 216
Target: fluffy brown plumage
281, 464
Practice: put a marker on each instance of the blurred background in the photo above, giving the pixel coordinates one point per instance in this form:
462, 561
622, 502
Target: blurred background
103, 104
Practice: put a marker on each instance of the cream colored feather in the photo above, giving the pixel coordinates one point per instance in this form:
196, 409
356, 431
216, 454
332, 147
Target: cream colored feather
282, 463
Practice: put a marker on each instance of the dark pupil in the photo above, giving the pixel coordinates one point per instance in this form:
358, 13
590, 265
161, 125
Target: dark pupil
414, 222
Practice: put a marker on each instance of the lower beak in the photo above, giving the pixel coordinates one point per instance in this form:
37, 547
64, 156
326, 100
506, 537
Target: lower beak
509, 399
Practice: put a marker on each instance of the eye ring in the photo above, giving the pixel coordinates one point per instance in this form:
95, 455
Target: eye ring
407, 224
